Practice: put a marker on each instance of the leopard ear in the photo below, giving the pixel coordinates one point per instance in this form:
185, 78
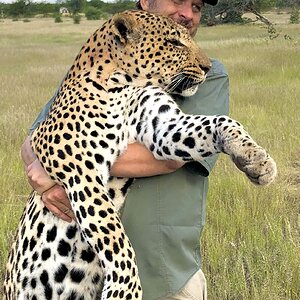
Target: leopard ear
124, 28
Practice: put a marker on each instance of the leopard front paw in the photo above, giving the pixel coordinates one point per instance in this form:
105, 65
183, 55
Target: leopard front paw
257, 164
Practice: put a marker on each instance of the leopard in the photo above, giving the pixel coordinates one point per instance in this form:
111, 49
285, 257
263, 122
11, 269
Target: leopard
118, 91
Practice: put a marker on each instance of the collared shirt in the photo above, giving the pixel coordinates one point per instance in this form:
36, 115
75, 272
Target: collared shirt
164, 215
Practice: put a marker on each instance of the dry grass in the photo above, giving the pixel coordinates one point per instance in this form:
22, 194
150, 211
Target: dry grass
251, 241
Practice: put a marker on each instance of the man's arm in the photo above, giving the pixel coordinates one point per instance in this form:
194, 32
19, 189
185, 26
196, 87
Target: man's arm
136, 161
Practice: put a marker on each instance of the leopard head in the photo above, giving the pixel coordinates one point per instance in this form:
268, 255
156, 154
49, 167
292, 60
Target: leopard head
146, 49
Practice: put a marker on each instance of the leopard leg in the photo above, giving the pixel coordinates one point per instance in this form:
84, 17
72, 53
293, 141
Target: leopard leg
84, 173
247, 155
171, 134
104, 231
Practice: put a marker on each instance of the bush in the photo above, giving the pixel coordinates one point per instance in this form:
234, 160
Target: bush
57, 19
26, 20
105, 16
92, 13
294, 17
76, 19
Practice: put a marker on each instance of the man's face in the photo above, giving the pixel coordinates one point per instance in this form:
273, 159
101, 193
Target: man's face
184, 12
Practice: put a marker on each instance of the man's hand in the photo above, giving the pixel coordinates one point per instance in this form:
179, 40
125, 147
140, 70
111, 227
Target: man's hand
53, 195
38, 178
57, 201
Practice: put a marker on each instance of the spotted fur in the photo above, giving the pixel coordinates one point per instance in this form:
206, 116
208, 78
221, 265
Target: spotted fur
116, 92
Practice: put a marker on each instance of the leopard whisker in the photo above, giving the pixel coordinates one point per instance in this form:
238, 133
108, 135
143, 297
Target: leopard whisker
175, 82
181, 81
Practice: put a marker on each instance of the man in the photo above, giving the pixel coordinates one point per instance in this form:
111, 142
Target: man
164, 214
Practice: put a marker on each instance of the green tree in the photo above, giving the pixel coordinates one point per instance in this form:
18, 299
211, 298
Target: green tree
110, 8
76, 6
44, 8
3, 10
96, 3
92, 13
231, 11
21, 8
261, 5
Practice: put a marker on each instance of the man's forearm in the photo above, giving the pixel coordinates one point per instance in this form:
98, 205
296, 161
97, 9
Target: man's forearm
136, 161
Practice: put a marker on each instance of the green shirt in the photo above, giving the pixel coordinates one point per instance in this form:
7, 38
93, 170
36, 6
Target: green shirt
164, 215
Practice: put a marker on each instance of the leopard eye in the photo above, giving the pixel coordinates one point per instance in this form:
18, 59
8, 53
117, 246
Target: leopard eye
175, 43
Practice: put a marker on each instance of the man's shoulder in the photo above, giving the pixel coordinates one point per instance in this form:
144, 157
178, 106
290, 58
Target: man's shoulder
217, 69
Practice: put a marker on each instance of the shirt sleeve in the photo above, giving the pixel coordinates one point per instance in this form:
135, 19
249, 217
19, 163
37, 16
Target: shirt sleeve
212, 98
45, 111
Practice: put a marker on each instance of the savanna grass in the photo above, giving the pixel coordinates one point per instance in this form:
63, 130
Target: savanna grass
251, 240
